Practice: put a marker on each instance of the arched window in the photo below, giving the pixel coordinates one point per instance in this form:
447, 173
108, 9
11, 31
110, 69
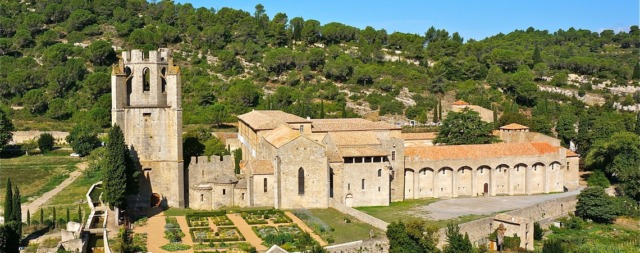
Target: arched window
201, 197
363, 183
301, 181
379, 172
264, 182
146, 80
224, 191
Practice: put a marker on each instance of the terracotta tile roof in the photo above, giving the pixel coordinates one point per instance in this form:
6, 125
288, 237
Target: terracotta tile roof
360, 151
419, 136
281, 135
571, 153
333, 156
514, 126
257, 167
460, 102
479, 151
317, 137
351, 124
354, 138
264, 120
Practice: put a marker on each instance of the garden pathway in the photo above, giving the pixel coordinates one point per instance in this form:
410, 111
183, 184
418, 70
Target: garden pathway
182, 221
155, 232
37, 203
306, 228
247, 232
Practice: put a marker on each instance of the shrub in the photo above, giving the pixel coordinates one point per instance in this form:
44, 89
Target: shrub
537, 231
45, 142
598, 178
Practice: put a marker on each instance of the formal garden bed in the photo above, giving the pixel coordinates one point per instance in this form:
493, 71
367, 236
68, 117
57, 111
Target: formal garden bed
228, 246
219, 218
223, 234
172, 230
290, 237
257, 217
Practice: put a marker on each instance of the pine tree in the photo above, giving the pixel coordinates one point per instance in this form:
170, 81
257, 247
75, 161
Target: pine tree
636, 71
8, 202
114, 176
537, 57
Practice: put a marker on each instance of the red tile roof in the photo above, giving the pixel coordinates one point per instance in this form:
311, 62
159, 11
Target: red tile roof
479, 151
514, 126
350, 124
419, 136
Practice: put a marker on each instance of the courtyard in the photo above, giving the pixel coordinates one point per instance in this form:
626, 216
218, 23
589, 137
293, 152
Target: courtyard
225, 231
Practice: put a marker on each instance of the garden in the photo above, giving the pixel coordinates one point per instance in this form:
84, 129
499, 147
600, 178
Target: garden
223, 234
289, 237
257, 217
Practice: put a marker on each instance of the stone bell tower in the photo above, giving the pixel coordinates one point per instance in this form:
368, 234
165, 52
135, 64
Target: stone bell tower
146, 104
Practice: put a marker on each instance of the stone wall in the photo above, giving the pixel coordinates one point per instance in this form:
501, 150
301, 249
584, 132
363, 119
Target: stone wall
22, 136
376, 245
373, 221
544, 213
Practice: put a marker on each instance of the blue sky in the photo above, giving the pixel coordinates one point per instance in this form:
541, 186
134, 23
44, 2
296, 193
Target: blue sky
472, 19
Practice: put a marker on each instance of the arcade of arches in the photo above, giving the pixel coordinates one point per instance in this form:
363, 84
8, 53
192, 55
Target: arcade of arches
483, 180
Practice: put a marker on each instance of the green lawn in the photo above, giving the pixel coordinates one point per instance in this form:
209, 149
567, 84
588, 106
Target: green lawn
35, 175
397, 210
335, 220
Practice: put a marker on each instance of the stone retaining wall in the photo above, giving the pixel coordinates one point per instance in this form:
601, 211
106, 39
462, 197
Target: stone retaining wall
22, 136
373, 221
380, 245
544, 213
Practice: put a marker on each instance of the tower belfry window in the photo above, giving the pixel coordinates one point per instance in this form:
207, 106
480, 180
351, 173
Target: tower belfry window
146, 80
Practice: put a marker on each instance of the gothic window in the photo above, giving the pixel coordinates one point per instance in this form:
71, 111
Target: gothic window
146, 80
379, 172
301, 181
265, 185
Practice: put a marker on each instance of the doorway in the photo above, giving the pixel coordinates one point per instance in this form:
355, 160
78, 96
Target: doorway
155, 200
486, 188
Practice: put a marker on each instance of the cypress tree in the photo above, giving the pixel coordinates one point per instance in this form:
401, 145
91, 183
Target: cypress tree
114, 176
435, 114
41, 216
28, 218
322, 109
8, 202
79, 214
68, 217
54, 217
439, 109
17, 210
637, 129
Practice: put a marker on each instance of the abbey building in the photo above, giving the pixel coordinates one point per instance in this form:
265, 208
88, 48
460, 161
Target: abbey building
294, 162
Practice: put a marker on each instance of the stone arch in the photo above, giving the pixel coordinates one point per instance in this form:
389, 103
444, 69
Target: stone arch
444, 182
500, 179
464, 181
348, 200
556, 177
425, 183
482, 177
536, 178
163, 80
409, 183
518, 179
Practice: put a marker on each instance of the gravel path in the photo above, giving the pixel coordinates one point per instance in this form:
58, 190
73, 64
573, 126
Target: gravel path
37, 203
247, 232
453, 208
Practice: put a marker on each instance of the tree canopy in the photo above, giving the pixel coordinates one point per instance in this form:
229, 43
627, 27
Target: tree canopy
619, 158
465, 127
